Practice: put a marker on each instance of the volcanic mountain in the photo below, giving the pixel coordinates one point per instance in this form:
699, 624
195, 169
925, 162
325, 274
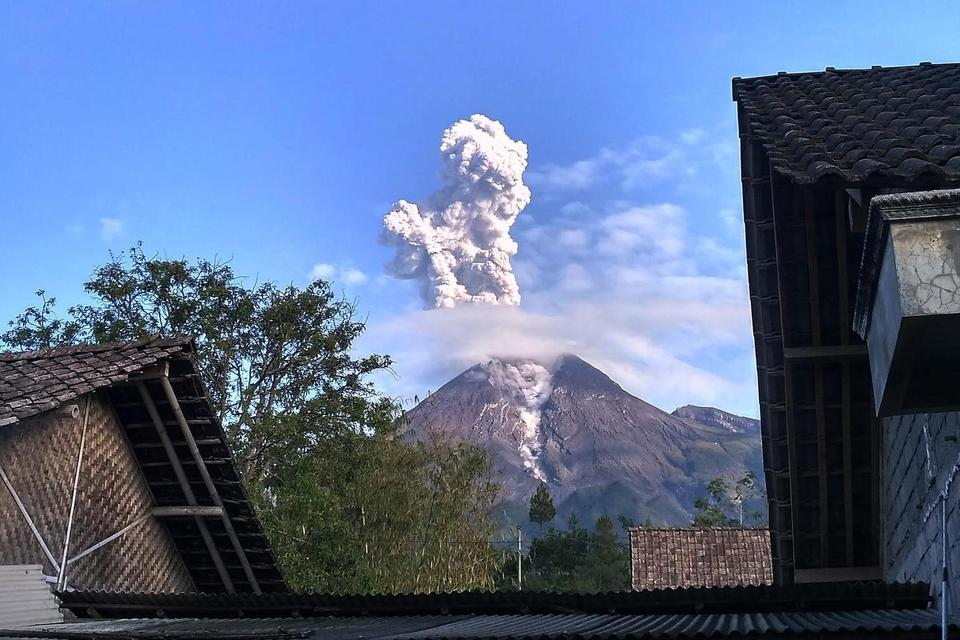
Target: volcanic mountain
598, 448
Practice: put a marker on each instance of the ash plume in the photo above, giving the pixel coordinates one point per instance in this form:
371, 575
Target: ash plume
457, 242
527, 385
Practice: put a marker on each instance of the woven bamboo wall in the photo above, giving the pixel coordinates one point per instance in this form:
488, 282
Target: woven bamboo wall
39, 456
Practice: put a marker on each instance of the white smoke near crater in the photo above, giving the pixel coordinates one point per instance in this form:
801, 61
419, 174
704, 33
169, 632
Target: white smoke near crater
457, 242
527, 385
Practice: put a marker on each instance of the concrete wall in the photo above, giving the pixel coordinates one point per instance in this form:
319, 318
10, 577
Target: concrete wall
920, 455
39, 456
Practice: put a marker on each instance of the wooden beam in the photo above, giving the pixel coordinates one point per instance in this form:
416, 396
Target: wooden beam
208, 481
175, 512
185, 485
153, 372
835, 352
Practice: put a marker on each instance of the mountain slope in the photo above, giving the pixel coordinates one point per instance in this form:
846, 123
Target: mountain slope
713, 417
598, 448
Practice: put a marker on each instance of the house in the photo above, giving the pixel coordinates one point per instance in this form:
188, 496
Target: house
116, 474
852, 259
684, 557
851, 236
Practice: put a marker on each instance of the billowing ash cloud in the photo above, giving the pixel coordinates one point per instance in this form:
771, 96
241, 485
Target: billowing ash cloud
528, 386
457, 242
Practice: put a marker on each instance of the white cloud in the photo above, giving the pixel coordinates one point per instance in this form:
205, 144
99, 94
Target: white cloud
657, 229
645, 160
640, 288
573, 238
322, 271
353, 276
574, 278
626, 290
651, 347
347, 275
110, 228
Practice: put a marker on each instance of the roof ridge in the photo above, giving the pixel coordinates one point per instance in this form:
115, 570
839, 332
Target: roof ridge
738, 81
154, 340
691, 528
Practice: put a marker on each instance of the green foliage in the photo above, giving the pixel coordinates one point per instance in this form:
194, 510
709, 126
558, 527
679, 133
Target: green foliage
541, 506
577, 560
276, 361
347, 504
724, 504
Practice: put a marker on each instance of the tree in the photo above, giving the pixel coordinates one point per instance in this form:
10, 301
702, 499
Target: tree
541, 506
337, 490
724, 504
712, 510
276, 360
577, 560
609, 563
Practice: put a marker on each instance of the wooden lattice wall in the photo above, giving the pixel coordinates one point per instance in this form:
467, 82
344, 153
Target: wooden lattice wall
39, 456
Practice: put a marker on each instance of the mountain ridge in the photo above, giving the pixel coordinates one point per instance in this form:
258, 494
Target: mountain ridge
598, 448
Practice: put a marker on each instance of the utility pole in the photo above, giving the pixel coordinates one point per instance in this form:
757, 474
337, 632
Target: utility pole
519, 558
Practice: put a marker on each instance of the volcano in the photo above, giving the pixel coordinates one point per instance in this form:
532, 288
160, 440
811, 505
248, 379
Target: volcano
599, 449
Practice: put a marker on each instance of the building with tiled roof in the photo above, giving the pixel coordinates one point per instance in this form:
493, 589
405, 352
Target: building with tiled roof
852, 222
683, 557
116, 474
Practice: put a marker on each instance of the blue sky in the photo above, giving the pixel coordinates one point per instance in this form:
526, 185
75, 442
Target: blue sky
279, 134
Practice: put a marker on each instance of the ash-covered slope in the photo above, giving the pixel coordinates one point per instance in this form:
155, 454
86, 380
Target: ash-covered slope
598, 448
713, 417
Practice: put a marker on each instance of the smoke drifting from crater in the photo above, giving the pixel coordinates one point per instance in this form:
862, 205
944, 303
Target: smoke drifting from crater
457, 242
527, 386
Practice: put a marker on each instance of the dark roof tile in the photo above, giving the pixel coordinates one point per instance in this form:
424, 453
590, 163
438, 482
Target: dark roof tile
810, 122
32, 382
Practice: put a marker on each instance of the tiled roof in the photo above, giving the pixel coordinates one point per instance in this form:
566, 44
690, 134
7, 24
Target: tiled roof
913, 623
852, 124
32, 382
699, 557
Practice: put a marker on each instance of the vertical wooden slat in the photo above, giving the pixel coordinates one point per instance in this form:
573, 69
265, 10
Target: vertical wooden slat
812, 266
813, 272
847, 464
840, 215
822, 489
841, 203
783, 193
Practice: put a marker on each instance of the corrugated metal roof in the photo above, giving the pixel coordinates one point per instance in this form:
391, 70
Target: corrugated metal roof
917, 623
25, 597
743, 599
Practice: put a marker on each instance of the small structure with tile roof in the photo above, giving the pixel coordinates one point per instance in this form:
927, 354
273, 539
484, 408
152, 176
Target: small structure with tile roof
682, 557
115, 474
